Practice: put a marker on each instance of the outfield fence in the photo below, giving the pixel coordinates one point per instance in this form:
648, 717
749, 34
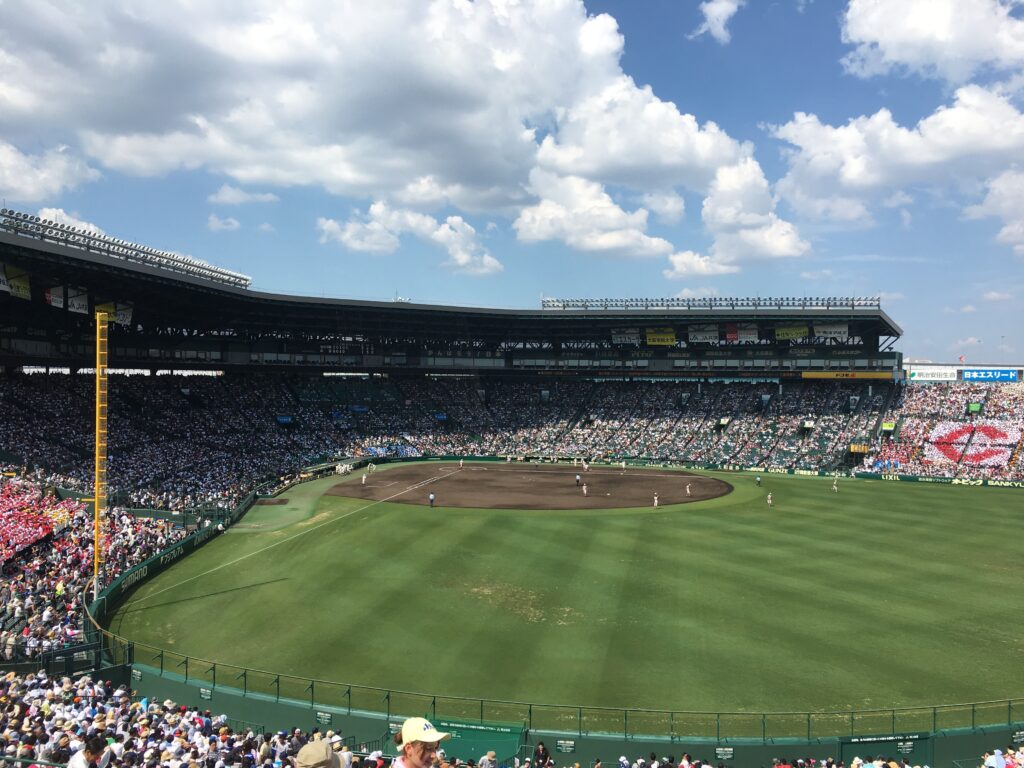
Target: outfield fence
629, 723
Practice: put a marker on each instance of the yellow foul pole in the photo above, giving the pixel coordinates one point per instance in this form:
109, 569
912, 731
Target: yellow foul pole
103, 320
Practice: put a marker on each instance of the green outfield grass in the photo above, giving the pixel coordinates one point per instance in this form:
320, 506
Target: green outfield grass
886, 594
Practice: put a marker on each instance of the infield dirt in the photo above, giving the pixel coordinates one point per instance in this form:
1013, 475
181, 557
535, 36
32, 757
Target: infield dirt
530, 486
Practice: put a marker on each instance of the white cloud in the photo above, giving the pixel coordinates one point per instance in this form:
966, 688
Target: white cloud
1004, 199
949, 39
890, 295
688, 264
265, 228
228, 195
835, 172
581, 214
739, 212
667, 206
697, 293
717, 14
216, 224
380, 231
968, 309
626, 135
446, 104
997, 296
31, 178
60, 216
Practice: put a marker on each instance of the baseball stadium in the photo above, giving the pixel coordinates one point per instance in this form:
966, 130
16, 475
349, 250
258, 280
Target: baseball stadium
709, 526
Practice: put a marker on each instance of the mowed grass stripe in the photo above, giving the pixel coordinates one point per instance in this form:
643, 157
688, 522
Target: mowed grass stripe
878, 595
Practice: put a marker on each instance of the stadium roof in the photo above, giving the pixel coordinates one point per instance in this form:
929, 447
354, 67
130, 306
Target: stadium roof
163, 295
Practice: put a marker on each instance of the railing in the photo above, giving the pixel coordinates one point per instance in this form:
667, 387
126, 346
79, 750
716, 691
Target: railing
581, 720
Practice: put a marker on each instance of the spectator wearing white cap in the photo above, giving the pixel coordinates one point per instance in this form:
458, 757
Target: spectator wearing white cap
417, 743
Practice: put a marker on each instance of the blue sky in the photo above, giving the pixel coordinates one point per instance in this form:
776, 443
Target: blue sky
491, 152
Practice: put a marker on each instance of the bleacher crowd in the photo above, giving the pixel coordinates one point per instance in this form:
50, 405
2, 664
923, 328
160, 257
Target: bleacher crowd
85, 721
43, 583
178, 442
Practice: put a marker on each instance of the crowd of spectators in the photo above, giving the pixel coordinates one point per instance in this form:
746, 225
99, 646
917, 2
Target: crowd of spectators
954, 430
178, 442
85, 721
42, 586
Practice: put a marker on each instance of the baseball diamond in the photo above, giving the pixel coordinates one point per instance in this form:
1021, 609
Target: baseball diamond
533, 486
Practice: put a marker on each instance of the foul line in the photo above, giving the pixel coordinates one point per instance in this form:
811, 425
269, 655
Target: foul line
290, 538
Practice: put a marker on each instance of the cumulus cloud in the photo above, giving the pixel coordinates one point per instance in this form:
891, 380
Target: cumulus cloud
835, 172
717, 14
948, 39
667, 206
60, 216
26, 178
689, 264
739, 211
229, 195
998, 296
1005, 200
216, 224
582, 214
265, 228
626, 135
381, 228
453, 105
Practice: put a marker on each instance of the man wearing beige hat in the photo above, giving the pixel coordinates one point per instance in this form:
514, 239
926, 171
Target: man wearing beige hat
417, 743
317, 754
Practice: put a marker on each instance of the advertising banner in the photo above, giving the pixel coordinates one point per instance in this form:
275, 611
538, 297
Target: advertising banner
875, 375
661, 337
933, 373
4, 287
788, 332
832, 330
747, 333
628, 336
55, 296
731, 332
18, 281
702, 334
78, 301
989, 374
122, 312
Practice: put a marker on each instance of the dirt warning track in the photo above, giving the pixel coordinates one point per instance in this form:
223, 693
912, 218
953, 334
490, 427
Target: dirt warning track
530, 486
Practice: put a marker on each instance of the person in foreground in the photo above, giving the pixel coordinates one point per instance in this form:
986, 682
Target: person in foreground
417, 743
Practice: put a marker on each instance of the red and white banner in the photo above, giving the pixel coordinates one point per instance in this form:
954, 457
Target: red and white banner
55, 296
981, 444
